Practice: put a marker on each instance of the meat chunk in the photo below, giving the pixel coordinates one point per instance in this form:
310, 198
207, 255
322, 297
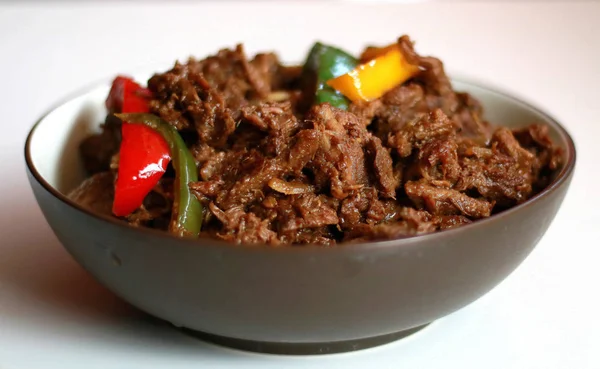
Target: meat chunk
382, 164
95, 193
364, 206
339, 163
504, 173
438, 161
277, 120
304, 148
442, 201
309, 211
98, 150
243, 228
327, 117
399, 106
418, 132
249, 186
536, 139
185, 98
469, 118
156, 208
208, 95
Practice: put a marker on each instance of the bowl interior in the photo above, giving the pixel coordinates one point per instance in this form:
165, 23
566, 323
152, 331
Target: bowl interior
54, 142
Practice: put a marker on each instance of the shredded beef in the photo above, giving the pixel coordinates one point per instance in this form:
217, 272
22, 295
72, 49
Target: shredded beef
97, 151
383, 169
95, 193
444, 201
419, 159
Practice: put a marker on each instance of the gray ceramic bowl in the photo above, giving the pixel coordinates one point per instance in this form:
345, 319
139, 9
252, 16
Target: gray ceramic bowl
289, 299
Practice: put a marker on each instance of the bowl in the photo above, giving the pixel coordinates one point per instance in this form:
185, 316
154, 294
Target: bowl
288, 299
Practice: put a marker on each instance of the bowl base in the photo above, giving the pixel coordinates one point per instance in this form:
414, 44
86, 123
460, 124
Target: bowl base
317, 348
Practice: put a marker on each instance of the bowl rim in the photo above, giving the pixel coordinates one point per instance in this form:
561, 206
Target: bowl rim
560, 179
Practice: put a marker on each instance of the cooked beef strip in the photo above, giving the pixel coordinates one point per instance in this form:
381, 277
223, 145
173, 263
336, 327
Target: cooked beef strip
95, 193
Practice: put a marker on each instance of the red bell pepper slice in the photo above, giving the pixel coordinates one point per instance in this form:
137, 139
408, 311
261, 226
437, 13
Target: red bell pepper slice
144, 153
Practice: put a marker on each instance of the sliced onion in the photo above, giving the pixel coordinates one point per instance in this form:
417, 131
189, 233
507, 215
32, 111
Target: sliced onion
289, 188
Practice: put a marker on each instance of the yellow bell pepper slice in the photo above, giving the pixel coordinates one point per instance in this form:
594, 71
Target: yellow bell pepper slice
372, 79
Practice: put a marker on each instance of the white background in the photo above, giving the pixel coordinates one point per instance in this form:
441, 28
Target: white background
545, 315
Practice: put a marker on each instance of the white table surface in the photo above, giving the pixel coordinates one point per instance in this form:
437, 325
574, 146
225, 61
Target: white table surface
545, 315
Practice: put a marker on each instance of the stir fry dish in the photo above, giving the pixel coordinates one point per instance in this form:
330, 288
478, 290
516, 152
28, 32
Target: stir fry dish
339, 149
